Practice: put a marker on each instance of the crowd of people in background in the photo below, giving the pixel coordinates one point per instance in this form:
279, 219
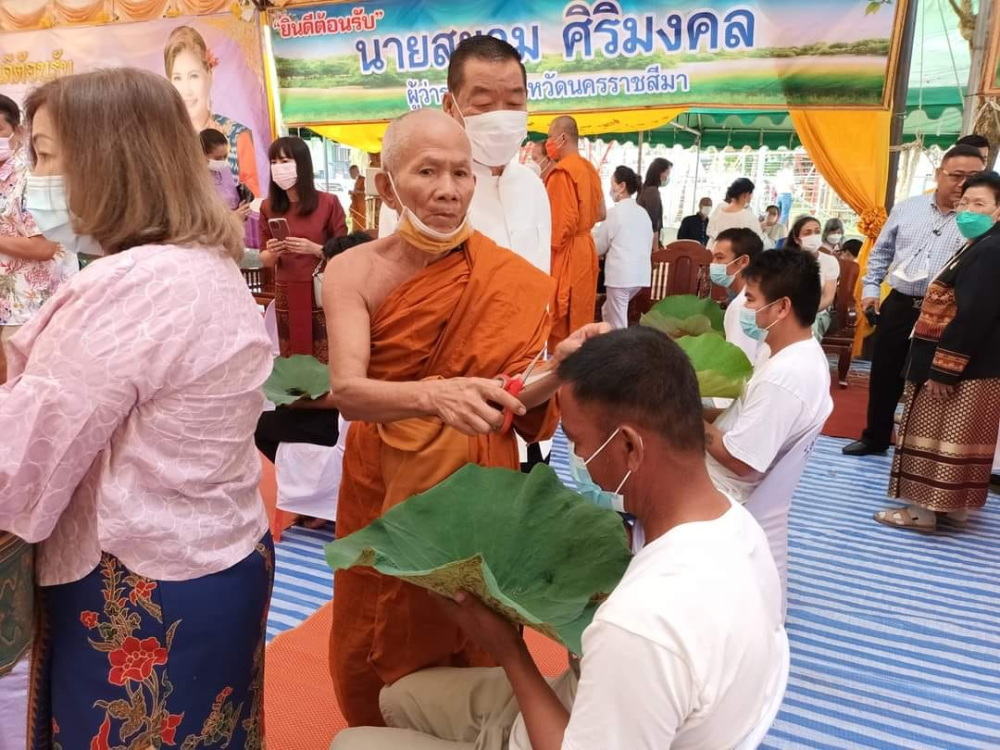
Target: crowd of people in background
481, 263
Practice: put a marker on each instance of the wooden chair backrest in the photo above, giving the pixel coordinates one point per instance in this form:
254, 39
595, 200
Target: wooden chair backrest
680, 268
846, 305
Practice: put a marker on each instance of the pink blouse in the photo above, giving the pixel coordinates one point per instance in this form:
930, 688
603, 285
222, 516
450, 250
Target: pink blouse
127, 423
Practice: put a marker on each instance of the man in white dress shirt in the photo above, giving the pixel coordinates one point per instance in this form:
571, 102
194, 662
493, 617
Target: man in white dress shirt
488, 94
734, 251
689, 651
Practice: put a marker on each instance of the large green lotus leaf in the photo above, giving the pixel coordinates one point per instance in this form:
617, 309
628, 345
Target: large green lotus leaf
295, 377
531, 549
685, 315
722, 368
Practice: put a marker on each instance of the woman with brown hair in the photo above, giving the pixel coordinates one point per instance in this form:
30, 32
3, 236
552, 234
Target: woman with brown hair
296, 221
128, 424
189, 63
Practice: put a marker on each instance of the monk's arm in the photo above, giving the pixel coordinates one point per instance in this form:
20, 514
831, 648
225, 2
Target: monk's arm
565, 212
602, 206
462, 403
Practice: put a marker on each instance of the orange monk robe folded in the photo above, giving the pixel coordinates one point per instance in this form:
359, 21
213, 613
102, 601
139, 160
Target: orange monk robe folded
477, 313
359, 211
574, 189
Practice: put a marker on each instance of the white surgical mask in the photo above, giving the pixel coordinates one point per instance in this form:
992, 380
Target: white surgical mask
834, 239
705, 210
220, 165
587, 487
5, 150
496, 136
285, 174
812, 243
45, 200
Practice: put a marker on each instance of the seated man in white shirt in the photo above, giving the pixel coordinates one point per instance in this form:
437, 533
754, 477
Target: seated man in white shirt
687, 652
789, 394
733, 252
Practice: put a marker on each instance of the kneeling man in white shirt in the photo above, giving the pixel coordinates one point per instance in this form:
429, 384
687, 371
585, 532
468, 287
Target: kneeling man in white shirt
689, 650
734, 250
789, 394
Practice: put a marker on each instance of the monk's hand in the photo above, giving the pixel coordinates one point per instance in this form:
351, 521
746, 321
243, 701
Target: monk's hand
473, 406
577, 339
492, 633
939, 391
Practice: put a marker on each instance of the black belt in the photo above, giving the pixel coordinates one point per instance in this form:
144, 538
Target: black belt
917, 301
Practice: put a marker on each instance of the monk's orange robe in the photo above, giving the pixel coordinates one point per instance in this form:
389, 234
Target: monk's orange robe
574, 189
479, 312
359, 212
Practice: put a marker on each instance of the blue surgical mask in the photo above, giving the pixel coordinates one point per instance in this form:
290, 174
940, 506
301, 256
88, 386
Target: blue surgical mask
717, 274
588, 487
748, 322
973, 225
45, 200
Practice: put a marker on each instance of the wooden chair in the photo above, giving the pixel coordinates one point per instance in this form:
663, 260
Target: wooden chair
839, 340
679, 268
260, 281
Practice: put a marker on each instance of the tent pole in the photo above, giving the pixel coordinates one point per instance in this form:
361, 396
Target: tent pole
640, 154
900, 87
697, 168
977, 68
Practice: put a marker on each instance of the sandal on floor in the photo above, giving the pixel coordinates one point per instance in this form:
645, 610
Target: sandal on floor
899, 518
955, 523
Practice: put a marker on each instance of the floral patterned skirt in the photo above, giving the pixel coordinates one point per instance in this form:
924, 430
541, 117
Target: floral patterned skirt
125, 662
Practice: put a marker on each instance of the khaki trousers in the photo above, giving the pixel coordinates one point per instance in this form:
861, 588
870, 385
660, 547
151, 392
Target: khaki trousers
448, 709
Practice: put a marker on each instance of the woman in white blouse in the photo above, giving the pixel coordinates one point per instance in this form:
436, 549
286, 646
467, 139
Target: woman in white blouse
127, 427
626, 238
735, 214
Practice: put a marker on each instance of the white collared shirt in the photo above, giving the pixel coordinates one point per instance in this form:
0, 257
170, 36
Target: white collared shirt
626, 236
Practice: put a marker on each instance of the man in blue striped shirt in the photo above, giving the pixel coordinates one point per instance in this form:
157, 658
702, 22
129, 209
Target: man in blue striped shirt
919, 237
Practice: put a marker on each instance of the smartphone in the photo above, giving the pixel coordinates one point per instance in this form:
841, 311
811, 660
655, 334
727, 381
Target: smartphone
871, 316
279, 228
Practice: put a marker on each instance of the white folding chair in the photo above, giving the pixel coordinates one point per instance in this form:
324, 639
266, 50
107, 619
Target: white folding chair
771, 502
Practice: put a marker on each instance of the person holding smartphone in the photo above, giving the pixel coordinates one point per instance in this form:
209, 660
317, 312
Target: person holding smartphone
296, 221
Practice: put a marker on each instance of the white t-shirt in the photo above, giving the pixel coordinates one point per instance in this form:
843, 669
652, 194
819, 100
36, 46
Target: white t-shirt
721, 220
734, 331
784, 183
788, 396
626, 236
512, 210
687, 651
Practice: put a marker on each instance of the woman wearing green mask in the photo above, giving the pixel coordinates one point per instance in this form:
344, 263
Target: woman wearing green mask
948, 433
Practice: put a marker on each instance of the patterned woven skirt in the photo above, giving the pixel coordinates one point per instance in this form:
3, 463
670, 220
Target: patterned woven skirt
945, 449
122, 661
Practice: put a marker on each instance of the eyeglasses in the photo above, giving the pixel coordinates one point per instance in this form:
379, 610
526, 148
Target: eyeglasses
957, 176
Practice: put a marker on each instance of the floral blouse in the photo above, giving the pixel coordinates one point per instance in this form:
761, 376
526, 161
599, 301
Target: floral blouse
24, 284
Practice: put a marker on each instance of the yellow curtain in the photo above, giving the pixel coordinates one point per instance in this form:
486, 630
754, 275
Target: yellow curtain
16, 15
140, 10
202, 7
80, 11
597, 123
850, 148
368, 137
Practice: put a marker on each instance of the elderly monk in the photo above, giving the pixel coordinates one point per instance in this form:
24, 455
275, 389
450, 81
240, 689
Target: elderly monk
359, 211
577, 201
427, 318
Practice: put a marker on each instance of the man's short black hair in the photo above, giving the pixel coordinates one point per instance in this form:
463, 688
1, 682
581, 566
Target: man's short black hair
743, 241
788, 273
211, 139
975, 140
962, 150
772, 207
480, 47
10, 111
853, 247
337, 245
987, 179
640, 375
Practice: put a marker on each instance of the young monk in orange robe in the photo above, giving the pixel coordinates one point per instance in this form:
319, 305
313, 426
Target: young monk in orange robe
423, 325
577, 200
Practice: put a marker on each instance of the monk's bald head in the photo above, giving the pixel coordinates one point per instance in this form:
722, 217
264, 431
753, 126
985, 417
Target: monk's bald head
564, 138
421, 128
428, 156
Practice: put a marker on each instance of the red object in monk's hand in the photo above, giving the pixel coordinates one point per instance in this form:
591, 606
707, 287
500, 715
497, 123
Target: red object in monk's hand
514, 386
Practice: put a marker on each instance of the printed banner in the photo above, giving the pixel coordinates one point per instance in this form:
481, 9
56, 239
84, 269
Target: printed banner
215, 62
990, 80
372, 61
